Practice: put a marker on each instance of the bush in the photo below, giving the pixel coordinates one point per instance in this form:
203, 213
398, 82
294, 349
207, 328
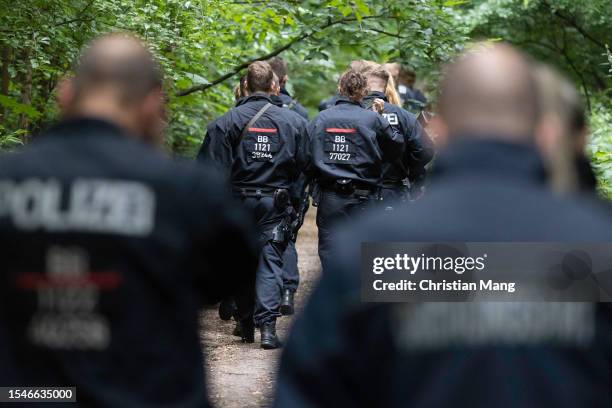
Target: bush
600, 145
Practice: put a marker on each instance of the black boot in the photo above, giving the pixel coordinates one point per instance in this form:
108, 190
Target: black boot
237, 330
247, 330
286, 306
227, 309
269, 340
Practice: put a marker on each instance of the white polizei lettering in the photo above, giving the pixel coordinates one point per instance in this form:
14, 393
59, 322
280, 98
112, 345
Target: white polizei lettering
51, 206
5, 197
391, 118
105, 206
27, 202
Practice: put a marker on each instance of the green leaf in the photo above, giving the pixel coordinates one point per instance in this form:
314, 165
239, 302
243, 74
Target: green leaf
18, 107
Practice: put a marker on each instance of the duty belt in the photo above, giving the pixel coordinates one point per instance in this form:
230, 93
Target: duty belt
347, 187
254, 192
393, 184
281, 196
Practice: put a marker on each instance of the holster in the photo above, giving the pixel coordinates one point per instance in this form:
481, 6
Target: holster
282, 231
282, 199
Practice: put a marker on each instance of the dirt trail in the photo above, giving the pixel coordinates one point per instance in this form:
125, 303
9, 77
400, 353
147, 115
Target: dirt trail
242, 375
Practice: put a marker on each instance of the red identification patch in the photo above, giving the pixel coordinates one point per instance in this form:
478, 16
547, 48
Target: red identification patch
102, 280
339, 130
262, 130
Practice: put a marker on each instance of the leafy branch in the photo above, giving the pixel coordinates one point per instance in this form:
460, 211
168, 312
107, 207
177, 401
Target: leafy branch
273, 53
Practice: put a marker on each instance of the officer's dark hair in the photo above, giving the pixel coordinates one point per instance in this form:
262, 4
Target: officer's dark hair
240, 90
279, 66
353, 85
131, 70
259, 77
244, 91
237, 94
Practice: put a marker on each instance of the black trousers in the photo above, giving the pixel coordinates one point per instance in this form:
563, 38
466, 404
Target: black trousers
334, 209
291, 273
269, 276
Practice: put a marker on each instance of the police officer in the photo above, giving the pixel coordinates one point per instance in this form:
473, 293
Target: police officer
349, 145
418, 149
300, 203
411, 98
109, 248
563, 114
329, 102
279, 66
489, 186
262, 148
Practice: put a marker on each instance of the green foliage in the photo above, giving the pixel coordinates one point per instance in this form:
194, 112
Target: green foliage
600, 146
199, 41
569, 34
204, 44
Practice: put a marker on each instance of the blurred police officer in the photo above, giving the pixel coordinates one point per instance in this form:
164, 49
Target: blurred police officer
349, 145
418, 149
109, 248
279, 66
262, 148
563, 130
489, 186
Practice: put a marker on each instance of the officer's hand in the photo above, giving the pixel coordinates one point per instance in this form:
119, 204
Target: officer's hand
378, 105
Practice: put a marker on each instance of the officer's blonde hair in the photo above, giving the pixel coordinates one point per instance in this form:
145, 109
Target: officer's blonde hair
391, 93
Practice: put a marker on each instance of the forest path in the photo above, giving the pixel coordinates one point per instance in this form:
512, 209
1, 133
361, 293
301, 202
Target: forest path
243, 375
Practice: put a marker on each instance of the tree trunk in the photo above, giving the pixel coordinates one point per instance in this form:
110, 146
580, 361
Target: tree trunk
5, 57
26, 93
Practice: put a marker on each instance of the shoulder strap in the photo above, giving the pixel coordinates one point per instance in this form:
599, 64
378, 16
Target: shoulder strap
253, 120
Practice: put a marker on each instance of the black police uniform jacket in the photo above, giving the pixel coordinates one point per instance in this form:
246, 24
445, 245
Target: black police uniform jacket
299, 186
343, 352
271, 155
289, 102
418, 148
328, 102
108, 251
351, 142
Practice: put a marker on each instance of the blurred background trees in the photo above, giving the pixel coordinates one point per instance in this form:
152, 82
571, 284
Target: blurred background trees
204, 44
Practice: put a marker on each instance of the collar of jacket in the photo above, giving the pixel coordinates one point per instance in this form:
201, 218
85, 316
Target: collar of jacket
257, 96
276, 100
86, 126
345, 100
284, 91
486, 157
376, 94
